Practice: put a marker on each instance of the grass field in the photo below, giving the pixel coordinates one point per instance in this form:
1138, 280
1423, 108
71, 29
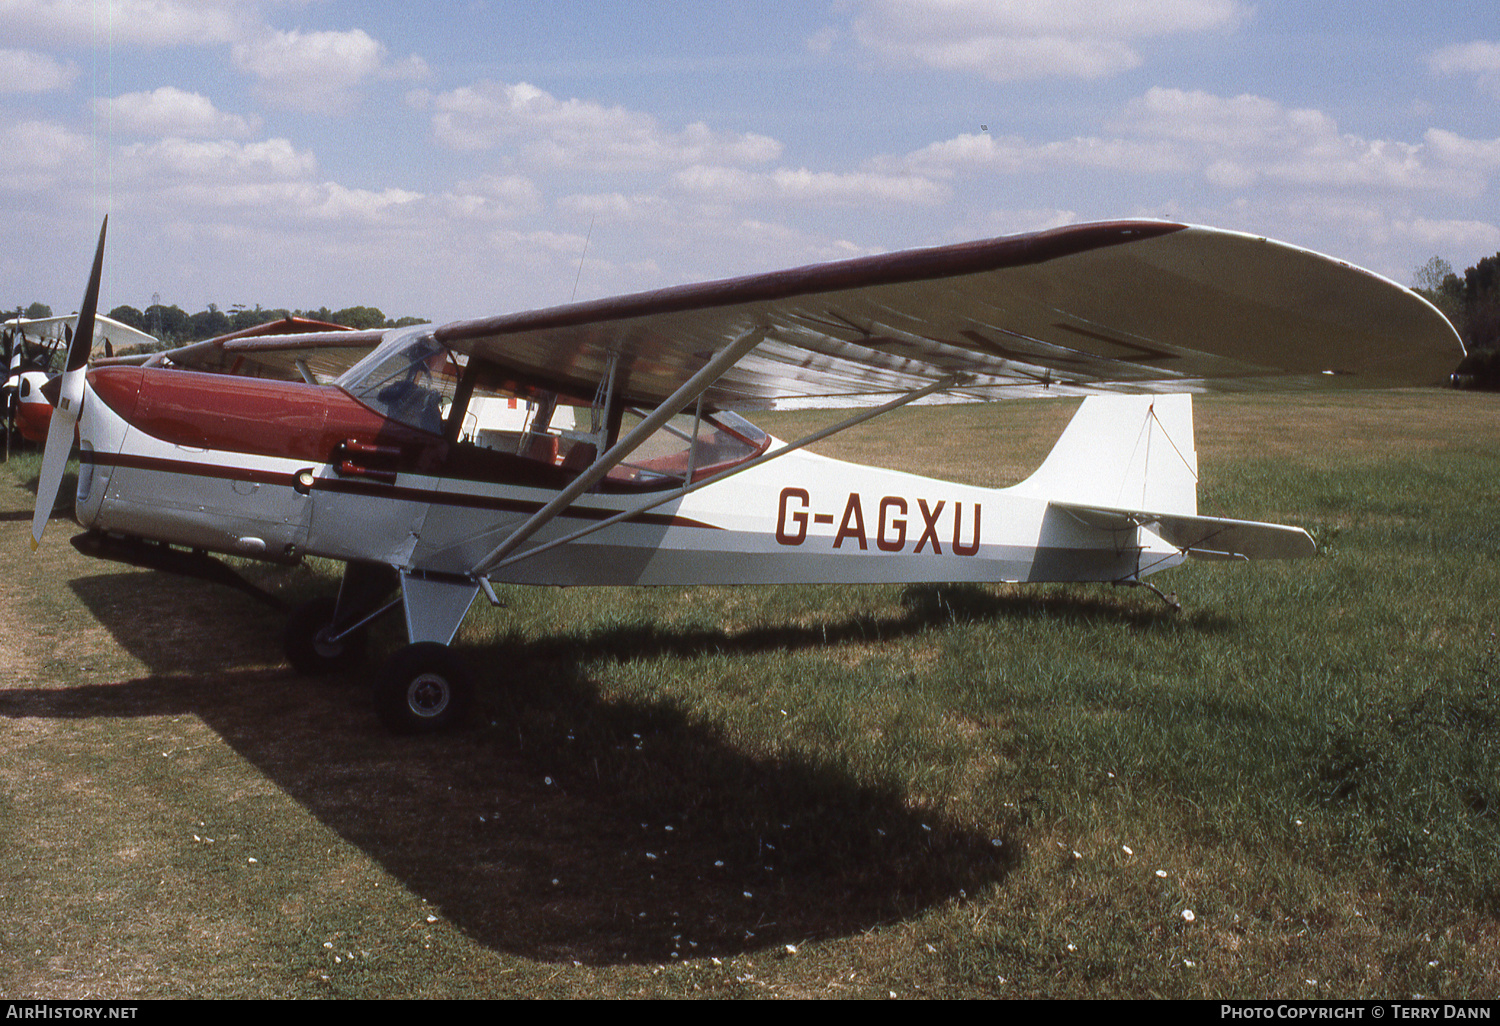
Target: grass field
1290, 789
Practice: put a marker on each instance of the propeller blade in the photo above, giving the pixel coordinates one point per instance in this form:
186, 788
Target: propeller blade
69, 399
83, 331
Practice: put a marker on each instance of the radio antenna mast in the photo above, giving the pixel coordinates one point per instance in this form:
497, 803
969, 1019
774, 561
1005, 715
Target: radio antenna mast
577, 277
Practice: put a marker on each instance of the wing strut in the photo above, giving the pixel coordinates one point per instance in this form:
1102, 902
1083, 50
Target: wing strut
673, 405
865, 415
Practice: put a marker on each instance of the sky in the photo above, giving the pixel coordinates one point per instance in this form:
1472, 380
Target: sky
464, 158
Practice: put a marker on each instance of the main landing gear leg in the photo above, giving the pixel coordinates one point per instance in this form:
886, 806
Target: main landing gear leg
327, 635
426, 687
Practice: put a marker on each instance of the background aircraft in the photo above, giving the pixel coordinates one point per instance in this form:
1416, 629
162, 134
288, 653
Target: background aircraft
29, 347
323, 351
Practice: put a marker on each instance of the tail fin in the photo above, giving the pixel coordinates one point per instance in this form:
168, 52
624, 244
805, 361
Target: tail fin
1123, 452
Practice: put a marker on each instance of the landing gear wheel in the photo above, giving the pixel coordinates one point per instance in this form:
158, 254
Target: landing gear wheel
425, 688
307, 643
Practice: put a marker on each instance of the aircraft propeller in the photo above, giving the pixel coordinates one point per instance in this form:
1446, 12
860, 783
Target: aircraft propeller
69, 400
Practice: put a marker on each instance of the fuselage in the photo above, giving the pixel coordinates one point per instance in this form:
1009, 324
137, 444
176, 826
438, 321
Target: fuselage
33, 411
277, 470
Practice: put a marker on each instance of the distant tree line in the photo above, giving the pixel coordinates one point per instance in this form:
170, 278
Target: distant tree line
1472, 303
34, 312
173, 326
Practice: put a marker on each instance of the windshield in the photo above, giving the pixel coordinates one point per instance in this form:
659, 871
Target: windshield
412, 381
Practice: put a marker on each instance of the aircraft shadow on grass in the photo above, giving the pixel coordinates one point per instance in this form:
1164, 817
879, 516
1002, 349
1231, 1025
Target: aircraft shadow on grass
121, 601
924, 607
564, 826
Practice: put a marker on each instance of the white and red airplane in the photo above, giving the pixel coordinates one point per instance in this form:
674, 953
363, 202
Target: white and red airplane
29, 345
601, 443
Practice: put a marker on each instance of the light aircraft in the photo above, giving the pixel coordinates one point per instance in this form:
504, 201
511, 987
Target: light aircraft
35, 385
602, 442
234, 353
29, 346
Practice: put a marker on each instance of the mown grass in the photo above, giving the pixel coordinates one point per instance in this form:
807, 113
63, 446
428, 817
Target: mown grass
1292, 788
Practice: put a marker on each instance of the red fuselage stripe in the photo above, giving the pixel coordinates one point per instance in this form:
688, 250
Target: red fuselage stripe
372, 489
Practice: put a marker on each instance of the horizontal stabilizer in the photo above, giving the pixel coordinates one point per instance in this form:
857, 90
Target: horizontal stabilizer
1203, 537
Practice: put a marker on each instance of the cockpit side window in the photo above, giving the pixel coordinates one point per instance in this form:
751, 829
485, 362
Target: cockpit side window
536, 424
508, 430
687, 448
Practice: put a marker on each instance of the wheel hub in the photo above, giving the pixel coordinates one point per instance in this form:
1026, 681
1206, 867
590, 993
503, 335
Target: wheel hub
428, 695
325, 646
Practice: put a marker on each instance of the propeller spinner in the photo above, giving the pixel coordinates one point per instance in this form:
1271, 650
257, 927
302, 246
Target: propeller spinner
69, 400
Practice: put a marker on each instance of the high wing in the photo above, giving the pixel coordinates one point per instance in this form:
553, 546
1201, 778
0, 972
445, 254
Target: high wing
1124, 306
55, 329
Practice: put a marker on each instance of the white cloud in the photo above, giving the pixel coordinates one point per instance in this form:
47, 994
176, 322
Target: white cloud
1451, 236
1479, 154
312, 72
149, 23
36, 154
577, 133
616, 207
1010, 222
1013, 154
773, 244
735, 185
1480, 59
22, 71
1246, 139
214, 162
822, 41
1006, 40
413, 69
330, 201
494, 198
1225, 123
1232, 143
171, 112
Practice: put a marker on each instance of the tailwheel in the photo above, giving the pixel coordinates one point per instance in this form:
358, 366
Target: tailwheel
310, 642
425, 688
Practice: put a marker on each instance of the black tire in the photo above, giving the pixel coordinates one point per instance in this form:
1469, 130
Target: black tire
306, 644
425, 688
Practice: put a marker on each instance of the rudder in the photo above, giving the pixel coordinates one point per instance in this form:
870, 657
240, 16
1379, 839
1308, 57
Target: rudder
1123, 452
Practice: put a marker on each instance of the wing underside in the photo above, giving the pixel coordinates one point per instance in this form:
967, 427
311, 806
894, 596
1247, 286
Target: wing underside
1137, 307
1123, 306
57, 329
